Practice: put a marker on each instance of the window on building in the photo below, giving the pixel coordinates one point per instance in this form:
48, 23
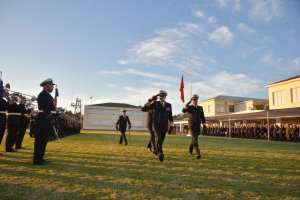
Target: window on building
231, 108
204, 109
220, 108
278, 97
295, 95
209, 108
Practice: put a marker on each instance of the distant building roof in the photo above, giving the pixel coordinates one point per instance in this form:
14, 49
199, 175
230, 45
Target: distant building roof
234, 98
117, 105
288, 79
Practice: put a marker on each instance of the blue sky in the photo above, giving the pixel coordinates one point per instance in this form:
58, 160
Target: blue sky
125, 51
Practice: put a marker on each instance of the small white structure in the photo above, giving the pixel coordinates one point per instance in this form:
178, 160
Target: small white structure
104, 116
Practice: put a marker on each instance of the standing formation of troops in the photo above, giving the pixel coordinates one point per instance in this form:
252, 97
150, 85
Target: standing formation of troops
16, 118
45, 123
281, 132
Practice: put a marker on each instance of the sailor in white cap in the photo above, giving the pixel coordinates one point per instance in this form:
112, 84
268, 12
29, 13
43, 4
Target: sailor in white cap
24, 122
162, 120
44, 122
3, 109
195, 117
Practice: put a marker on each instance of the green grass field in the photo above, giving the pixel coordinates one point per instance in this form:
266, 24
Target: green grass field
92, 165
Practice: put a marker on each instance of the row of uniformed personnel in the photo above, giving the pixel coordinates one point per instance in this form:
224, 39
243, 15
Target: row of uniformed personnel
287, 132
16, 118
47, 122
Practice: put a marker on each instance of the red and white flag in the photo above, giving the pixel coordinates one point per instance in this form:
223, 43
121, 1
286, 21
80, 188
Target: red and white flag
181, 89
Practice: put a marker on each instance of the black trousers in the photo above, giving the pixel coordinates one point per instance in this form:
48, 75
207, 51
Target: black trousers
151, 143
159, 140
32, 129
12, 131
20, 135
194, 143
40, 142
2, 127
123, 137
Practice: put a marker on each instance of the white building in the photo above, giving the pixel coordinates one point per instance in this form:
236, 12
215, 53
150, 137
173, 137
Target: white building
223, 104
104, 116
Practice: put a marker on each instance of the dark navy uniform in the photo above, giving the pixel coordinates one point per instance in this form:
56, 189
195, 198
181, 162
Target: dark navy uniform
122, 126
3, 108
13, 125
44, 124
32, 125
161, 119
195, 117
151, 143
24, 122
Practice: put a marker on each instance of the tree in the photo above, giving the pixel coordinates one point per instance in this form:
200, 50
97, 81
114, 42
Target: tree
260, 106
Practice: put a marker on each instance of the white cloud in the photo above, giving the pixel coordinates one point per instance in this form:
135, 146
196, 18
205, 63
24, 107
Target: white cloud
245, 28
156, 48
212, 20
122, 62
296, 63
267, 58
266, 10
129, 89
111, 85
225, 83
162, 48
237, 5
198, 13
110, 72
222, 3
221, 35
131, 71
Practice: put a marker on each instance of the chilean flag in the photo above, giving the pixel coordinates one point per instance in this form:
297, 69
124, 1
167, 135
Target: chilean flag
55, 97
181, 89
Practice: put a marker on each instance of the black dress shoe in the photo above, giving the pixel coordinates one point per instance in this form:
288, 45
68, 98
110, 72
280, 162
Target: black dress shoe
199, 156
161, 157
11, 150
46, 161
39, 163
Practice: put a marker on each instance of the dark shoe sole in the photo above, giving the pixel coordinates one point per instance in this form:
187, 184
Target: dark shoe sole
161, 157
41, 163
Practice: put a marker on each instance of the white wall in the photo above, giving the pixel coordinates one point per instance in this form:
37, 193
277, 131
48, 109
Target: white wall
105, 118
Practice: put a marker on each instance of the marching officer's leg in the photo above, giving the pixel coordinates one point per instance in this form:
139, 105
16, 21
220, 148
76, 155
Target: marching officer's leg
125, 139
160, 140
191, 148
149, 146
2, 127
152, 139
38, 145
11, 137
121, 138
196, 146
44, 141
20, 136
